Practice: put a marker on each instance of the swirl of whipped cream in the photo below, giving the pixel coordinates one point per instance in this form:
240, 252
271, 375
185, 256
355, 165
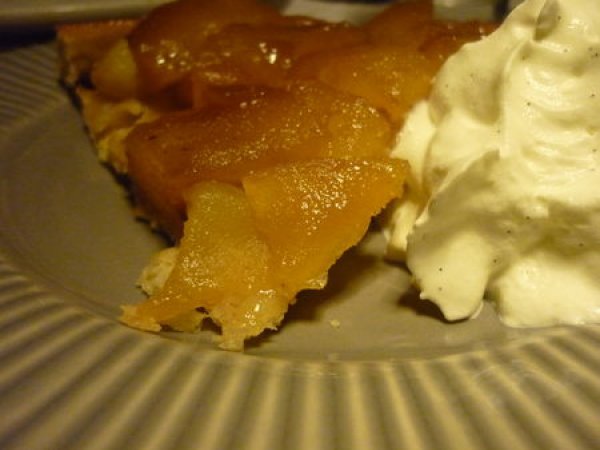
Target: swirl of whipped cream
504, 196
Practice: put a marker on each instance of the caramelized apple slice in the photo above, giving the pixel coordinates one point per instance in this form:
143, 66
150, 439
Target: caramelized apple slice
303, 122
261, 54
223, 266
114, 75
243, 258
311, 212
389, 77
411, 24
395, 70
164, 41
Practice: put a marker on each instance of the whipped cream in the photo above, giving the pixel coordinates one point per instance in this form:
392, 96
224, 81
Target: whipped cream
504, 197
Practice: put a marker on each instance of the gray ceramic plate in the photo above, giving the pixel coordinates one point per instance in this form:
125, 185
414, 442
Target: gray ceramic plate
392, 375
19, 14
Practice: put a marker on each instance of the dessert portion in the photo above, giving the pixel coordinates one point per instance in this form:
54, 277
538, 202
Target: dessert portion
246, 253
258, 142
305, 121
502, 202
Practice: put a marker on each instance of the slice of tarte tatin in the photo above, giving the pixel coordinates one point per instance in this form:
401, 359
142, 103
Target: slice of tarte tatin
258, 142
246, 252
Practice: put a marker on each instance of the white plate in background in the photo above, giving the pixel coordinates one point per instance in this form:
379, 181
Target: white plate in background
25, 14
22, 15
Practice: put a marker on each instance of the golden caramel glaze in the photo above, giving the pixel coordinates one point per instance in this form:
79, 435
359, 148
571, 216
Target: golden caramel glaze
222, 267
244, 256
261, 54
304, 121
311, 212
394, 69
389, 78
165, 42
